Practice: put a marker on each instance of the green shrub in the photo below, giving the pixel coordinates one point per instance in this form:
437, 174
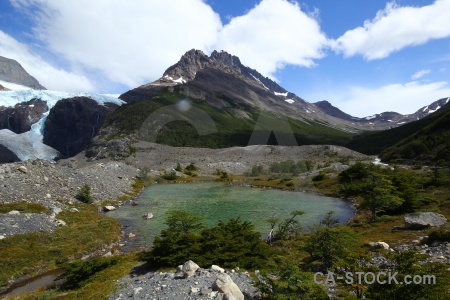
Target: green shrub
79, 272
191, 167
84, 195
170, 176
230, 244
438, 235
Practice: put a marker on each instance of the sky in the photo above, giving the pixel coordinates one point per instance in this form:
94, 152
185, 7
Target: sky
364, 57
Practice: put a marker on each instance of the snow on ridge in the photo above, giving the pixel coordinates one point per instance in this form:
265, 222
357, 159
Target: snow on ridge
14, 86
446, 101
370, 117
281, 94
425, 108
290, 101
257, 79
434, 110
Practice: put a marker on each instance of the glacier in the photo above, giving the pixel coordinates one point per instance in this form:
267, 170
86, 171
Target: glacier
29, 145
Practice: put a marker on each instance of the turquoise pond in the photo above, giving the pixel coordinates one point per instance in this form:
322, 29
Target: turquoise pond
217, 201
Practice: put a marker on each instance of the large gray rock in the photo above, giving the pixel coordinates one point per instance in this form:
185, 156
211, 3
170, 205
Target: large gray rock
19, 118
7, 156
189, 268
12, 71
225, 285
423, 220
73, 122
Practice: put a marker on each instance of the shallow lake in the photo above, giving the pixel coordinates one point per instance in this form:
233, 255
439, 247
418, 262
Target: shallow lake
217, 201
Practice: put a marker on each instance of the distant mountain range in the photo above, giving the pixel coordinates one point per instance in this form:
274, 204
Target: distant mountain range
222, 76
48, 124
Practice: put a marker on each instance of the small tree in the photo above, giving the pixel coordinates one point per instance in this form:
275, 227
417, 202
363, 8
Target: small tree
178, 168
328, 244
183, 222
84, 195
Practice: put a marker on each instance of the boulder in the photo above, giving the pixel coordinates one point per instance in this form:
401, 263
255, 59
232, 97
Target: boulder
148, 216
225, 285
423, 220
14, 212
73, 210
109, 208
378, 245
60, 223
189, 268
7, 156
217, 269
22, 169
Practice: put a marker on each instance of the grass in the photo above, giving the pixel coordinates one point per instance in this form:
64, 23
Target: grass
23, 207
99, 286
34, 253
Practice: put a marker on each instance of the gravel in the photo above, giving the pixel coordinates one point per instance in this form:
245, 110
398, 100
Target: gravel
156, 285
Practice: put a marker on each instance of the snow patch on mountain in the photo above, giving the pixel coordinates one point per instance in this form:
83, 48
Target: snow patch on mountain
13, 86
281, 94
257, 79
290, 101
179, 80
434, 110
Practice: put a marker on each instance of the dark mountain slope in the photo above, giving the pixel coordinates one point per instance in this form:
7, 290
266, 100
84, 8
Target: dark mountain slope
377, 142
429, 144
234, 121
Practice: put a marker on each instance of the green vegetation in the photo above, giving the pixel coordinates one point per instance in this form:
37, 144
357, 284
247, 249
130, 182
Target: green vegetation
230, 244
34, 252
22, 207
287, 262
233, 130
84, 195
78, 273
423, 141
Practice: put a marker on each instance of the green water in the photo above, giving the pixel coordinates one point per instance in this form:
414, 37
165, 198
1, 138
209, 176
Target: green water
216, 201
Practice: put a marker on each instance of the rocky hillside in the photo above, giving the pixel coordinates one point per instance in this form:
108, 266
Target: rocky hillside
11, 71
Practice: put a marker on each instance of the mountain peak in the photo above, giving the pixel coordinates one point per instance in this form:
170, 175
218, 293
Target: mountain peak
226, 58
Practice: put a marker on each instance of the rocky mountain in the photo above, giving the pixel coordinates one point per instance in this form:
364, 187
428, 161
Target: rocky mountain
222, 81
430, 143
408, 140
72, 123
12, 72
46, 124
383, 120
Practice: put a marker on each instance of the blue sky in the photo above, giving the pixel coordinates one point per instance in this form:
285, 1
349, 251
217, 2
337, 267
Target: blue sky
365, 57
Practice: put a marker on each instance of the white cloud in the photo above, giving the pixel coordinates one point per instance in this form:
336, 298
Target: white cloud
420, 74
49, 76
273, 34
129, 42
404, 98
395, 28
